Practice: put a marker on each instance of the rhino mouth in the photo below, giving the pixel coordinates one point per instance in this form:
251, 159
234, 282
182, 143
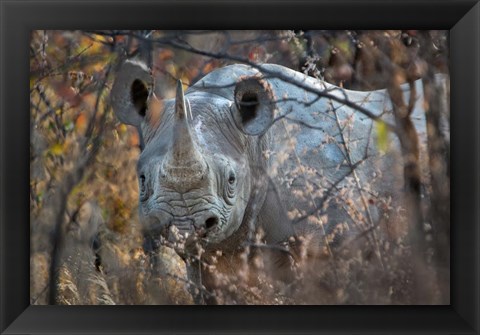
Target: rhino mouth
189, 231
185, 232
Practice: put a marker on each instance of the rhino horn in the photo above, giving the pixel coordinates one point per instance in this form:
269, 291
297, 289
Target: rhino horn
184, 160
180, 106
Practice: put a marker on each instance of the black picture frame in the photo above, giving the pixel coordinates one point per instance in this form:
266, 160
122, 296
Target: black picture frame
19, 17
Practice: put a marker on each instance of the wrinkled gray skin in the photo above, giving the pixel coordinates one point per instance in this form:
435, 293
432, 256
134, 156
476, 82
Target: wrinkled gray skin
218, 171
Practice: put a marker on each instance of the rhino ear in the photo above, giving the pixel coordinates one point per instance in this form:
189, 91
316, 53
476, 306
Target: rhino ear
131, 89
254, 106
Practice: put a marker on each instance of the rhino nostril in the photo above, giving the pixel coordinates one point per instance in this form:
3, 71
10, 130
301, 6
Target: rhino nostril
211, 222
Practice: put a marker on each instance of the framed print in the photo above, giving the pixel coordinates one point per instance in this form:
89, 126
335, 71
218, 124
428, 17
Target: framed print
211, 153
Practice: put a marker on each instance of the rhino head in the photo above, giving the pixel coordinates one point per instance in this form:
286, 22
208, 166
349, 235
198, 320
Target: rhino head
201, 166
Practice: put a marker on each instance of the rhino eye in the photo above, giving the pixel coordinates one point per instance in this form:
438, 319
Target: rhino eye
231, 178
230, 187
143, 188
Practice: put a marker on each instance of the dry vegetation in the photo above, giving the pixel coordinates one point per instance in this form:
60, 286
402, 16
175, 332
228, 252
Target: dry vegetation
84, 188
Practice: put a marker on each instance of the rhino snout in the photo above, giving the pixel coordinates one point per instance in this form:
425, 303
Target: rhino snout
203, 223
200, 224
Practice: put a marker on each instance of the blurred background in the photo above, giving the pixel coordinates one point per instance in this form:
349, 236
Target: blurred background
84, 188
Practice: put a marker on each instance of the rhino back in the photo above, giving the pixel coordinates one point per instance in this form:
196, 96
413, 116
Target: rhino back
335, 167
330, 164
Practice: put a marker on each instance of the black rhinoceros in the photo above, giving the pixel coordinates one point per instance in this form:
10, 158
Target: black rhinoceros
244, 150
